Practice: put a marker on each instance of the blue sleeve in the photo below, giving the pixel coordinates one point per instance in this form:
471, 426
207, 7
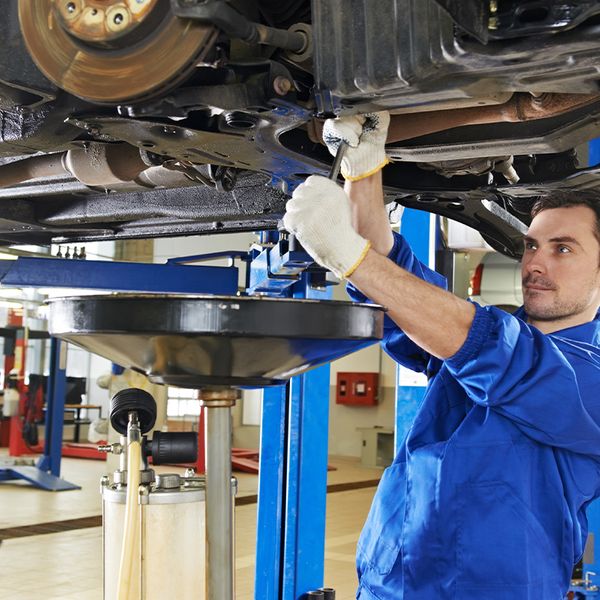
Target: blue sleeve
545, 384
395, 342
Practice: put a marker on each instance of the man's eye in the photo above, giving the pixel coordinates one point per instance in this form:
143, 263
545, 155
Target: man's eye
564, 249
529, 246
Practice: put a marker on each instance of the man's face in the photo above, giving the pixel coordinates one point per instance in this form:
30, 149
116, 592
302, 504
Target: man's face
561, 265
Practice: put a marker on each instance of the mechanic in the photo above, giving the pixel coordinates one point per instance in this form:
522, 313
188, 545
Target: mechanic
486, 498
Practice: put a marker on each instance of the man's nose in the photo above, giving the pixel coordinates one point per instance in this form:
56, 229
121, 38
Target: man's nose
535, 262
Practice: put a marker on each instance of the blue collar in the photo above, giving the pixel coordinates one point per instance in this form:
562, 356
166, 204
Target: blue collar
586, 332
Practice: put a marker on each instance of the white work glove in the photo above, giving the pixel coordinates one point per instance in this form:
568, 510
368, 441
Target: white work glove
319, 216
365, 136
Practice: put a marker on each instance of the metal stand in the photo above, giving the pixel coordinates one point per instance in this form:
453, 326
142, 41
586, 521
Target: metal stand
220, 559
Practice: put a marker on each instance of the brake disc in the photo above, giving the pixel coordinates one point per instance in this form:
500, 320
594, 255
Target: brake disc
112, 51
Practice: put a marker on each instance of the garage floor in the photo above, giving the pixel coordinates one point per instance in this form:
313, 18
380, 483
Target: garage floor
68, 565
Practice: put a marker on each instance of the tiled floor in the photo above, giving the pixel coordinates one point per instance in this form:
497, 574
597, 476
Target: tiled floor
69, 565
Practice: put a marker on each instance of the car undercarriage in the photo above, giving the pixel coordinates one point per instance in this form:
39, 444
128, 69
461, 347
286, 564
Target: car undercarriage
145, 118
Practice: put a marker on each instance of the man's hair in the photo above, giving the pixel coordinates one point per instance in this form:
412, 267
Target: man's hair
566, 200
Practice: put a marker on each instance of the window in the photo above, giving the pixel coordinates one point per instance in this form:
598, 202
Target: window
182, 402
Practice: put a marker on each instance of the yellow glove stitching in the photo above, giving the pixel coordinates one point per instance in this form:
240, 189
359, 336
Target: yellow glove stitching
355, 266
369, 173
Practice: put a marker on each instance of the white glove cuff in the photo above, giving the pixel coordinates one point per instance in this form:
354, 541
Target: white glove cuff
363, 164
344, 263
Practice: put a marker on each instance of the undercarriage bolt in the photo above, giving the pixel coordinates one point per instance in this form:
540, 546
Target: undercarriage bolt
282, 85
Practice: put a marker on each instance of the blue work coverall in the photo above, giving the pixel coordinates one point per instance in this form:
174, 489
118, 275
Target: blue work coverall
486, 499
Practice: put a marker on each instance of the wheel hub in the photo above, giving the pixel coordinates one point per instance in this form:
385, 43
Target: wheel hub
113, 51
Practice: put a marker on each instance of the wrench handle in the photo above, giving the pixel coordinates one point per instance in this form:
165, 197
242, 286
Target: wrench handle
337, 161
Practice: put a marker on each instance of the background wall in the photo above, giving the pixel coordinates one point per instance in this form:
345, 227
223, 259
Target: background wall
345, 438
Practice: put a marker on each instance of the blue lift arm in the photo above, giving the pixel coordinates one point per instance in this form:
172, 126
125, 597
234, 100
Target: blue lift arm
118, 276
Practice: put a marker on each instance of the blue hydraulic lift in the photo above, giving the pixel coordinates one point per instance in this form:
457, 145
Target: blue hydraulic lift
419, 228
290, 550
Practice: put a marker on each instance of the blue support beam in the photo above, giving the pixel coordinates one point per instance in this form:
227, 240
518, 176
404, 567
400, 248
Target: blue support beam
306, 485
410, 391
290, 551
292, 497
55, 409
49, 463
271, 485
118, 276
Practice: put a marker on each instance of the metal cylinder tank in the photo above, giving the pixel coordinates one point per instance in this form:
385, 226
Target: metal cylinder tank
171, 537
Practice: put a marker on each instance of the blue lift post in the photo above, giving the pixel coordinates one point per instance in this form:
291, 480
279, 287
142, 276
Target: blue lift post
306, 484
48, 464
290, 552
417, 230
271, 486
306, 490
119, 276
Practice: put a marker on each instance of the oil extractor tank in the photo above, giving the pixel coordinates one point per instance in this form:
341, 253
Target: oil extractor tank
171, 536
